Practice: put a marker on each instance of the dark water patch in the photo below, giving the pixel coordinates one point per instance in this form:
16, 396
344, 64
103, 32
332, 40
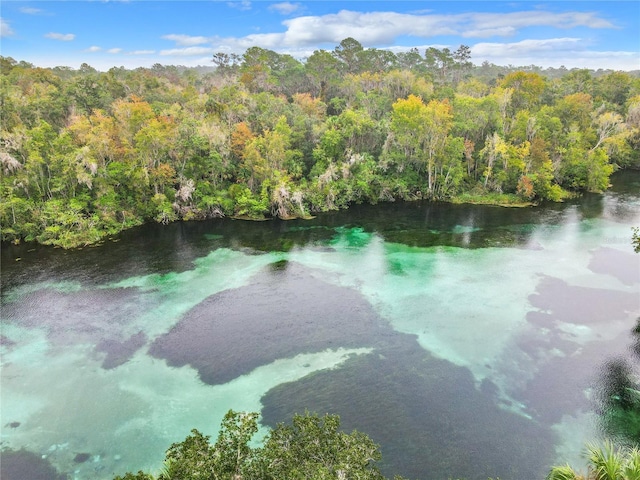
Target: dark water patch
284, 312
590, 205
13, 424
71, 317
6, 341
581, 305
541, 320
25, 465
537, 347
566, 365
621, 265
626, 182
427, 414
81, 457
119, 352
566, 375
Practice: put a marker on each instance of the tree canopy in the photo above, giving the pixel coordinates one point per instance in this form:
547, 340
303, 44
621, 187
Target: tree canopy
85, 154
311, 447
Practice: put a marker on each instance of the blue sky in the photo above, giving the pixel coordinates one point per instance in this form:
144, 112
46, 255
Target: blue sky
104, 34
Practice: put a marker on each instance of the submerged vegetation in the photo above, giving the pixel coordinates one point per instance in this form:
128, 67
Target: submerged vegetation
85, 154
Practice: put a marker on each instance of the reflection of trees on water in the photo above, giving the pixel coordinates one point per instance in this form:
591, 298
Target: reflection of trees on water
619, 396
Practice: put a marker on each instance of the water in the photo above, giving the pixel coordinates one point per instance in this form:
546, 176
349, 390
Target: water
468, 341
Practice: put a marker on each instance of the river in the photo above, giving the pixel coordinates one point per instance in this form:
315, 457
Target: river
468, 341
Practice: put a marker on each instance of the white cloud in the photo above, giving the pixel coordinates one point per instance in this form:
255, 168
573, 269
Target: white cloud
490, 32
553, 52
242, 5
5, 28
536, 18
377, 28
421, 48
285, 8
114, 50
302, 35
188, 51
526, 47
32, 11
93, 48
186, 40
64, 37
368, 28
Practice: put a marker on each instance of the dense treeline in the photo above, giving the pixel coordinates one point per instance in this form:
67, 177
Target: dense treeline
85, 154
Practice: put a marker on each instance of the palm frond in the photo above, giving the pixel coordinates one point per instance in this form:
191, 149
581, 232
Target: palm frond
563, 472
607, 462
631, 470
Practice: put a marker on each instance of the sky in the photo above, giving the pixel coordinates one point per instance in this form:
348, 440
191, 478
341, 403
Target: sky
140, 33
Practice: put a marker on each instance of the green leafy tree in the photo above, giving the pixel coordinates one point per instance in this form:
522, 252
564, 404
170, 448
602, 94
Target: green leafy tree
421, 132
323, 69
314, 447
527, 89
440, 63
350, 54
311, 447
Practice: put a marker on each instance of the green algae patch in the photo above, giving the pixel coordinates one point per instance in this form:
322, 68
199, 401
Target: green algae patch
496, 199
351, 237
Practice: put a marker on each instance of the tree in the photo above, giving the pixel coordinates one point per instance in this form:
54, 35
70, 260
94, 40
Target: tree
462, 63
323, 68
311, 447
527, 88
421, 132
226, 63
349, 53
614, 88
314, 447
439, 62
575, 109
255, 69
375, 60
411, 60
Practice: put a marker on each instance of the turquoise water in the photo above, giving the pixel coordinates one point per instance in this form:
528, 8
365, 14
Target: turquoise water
466, 340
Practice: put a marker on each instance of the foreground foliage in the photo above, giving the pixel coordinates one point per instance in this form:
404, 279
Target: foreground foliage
605, 463
85, 154
311, 447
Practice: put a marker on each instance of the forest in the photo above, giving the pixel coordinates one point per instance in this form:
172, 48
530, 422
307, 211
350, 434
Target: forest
86, 154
